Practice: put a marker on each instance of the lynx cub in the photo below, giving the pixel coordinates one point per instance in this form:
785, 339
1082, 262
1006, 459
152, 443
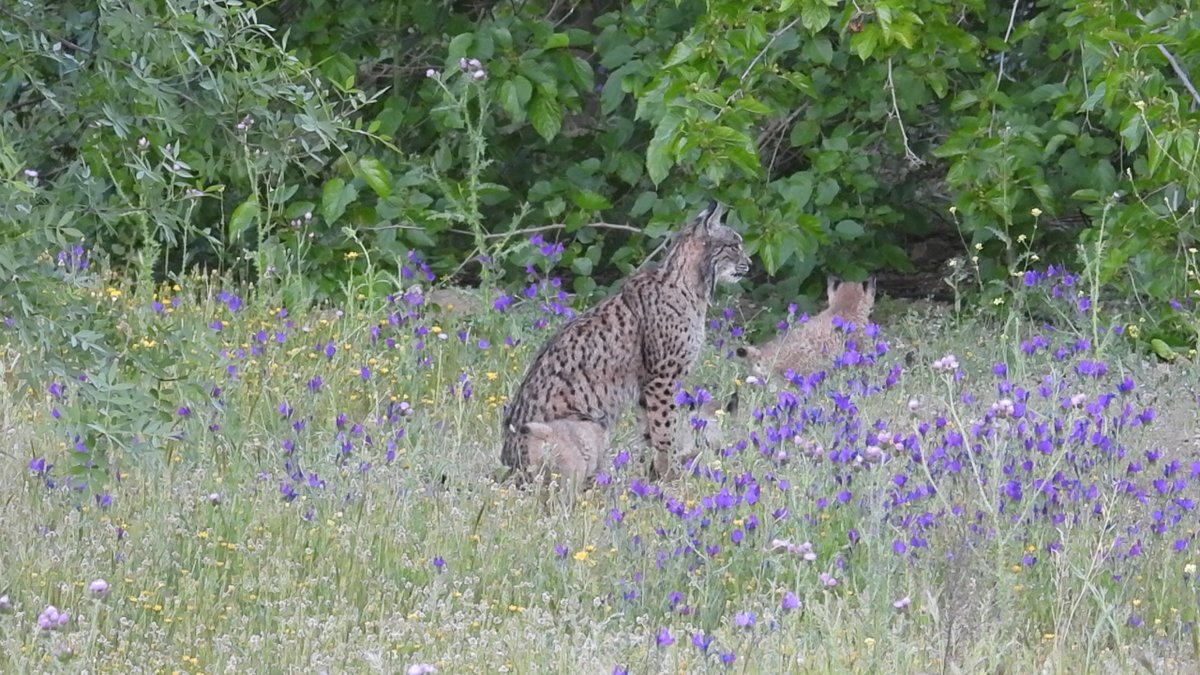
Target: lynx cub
632, 346
571, 448
812, 346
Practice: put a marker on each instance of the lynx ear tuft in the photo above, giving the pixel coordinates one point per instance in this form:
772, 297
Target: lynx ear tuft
711, 215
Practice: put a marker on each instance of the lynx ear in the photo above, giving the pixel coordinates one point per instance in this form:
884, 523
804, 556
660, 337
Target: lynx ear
870, 285
536, 429
711, 215
831, 285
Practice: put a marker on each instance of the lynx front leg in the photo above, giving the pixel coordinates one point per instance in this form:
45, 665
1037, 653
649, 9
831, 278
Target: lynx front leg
658, 413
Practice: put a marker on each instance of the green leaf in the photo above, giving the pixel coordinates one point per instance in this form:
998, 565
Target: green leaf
515, 95
659, 153
617, 56
459, 46
1163, 350
335, 197
643, 203
804, 133
1094, 98
849, 229
864, 42
590, 201
614, 89
556, 41
965, 99
420, 238
811, 224
582, 266
1132, 133
376, 175
768, 251
820, 50
738, 148
245, 215
298, 209
826, 191
797, 189
682, 51
546, 115
895, 257
814, 15
582, 74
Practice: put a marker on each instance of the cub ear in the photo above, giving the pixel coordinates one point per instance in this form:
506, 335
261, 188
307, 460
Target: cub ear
536, 429
747, 352
831, 285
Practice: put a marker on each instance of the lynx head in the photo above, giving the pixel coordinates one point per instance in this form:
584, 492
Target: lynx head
710, 247
851, 301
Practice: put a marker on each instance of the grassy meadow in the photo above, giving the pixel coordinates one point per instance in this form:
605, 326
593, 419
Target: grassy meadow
312, 490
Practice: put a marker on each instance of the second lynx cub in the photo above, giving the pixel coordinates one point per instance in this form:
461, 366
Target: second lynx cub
812, 346
571, 448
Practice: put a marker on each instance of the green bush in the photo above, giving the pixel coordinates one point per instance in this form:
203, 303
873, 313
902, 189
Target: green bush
279, 140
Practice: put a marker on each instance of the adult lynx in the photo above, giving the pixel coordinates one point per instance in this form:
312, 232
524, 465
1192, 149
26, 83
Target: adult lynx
813, 345
634, 345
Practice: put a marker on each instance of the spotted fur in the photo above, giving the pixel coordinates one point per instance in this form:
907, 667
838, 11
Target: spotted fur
634, 345
813, 345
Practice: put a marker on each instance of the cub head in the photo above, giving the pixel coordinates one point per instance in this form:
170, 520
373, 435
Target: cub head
850, 300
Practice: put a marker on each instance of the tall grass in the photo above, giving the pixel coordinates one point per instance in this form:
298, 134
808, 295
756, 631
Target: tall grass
322, 500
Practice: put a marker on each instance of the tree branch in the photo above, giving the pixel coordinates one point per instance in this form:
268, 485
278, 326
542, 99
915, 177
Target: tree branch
47, 31
1012, 19
763, 52
560, 226
909, 155
1179, 71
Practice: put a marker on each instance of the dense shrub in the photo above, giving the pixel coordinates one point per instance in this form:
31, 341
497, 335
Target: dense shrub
285, 140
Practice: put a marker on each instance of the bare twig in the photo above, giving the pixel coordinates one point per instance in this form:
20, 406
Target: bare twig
417, 228
650, 258
776, 130
47, 31
1179, 71
1012, 19
560, 226
909, 155
763, 51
